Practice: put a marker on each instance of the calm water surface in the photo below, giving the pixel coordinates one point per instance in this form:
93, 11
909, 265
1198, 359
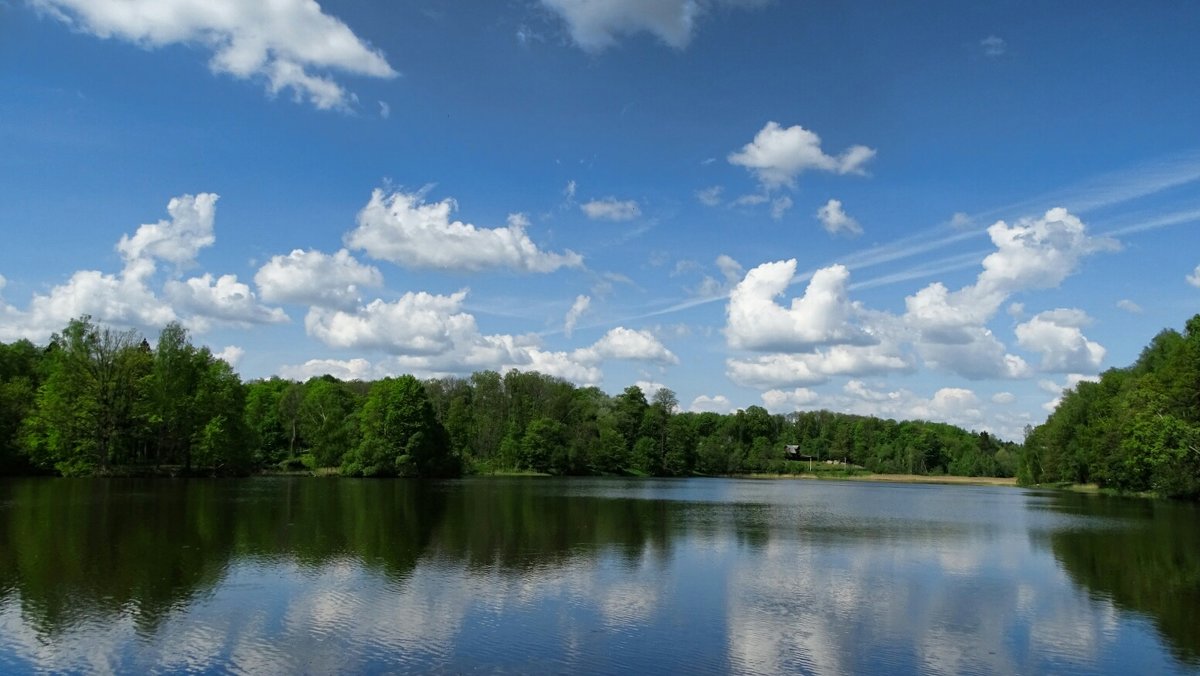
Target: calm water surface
591, 576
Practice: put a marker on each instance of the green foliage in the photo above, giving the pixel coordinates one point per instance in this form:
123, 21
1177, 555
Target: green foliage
327, 420
401, 436
1137, 429
96, 400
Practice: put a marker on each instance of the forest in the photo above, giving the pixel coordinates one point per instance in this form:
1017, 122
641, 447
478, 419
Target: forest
100, 401
1135, 430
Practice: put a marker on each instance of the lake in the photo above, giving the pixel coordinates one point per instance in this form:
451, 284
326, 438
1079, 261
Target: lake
520, 575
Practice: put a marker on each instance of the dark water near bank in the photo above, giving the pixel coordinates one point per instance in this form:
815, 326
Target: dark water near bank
591, 576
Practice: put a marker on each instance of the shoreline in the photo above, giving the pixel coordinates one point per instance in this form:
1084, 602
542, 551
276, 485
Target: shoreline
947, 480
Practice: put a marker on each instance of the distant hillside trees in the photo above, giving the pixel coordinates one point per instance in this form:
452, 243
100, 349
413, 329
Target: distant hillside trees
98, 401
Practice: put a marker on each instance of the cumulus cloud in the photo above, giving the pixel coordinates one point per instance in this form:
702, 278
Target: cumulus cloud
230, 354
1194, 278
813, 368
1058, 336
773, 371
787, 401
432, 335
577, 309
777, 155
315, 278
953, 405
715, 404
628, 344
1034, 253
342, 369
122, 300
979, 355
288, 44
1038, 253
179, 239
595, 25
755, 321
224, 299
611, 209
1003, 398
403, 229
1031, 254
417, 323
835, 220
126, 299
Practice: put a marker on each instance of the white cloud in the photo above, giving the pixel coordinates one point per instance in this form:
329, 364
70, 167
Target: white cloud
1129, 306
315, 278
1037, 253
778, 155
820, 317
224, 299
283, 42
349, 369
403, 229
611, 209
780, 206
1194, 278
787, 401
960, 220
814, 368
230, 354
627, 344
385, 110
953, 405
993, 46
710, 196
773, 371
979, 355
1003, 398
432, 336
715, 404
577, 309
127, 300
1058, 336
122, 300
835, 220
1031, 254
178, 240
560, 365
418, 323
595, 24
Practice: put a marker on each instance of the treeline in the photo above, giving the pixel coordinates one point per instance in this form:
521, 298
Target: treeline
101, 401
1137, 429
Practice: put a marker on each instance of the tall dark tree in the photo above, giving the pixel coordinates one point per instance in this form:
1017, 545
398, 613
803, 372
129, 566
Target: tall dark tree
401, 436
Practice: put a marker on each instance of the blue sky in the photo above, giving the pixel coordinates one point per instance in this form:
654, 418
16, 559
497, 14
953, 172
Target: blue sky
948, 212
